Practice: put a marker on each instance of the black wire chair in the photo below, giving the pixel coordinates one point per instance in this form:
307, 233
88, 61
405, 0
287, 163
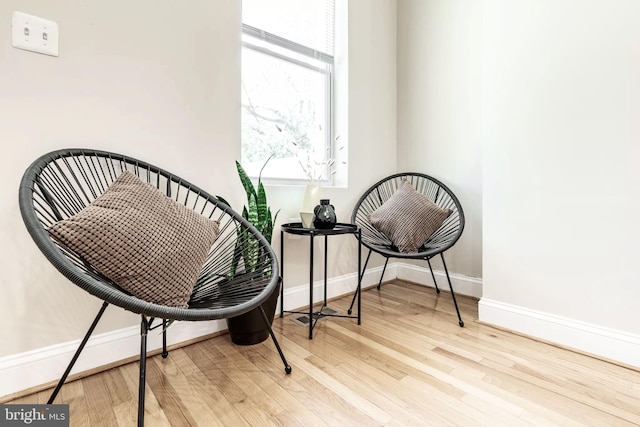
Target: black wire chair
61, 183
441, 240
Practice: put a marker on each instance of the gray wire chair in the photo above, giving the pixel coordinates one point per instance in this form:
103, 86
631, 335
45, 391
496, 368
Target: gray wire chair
61, 183
441, 240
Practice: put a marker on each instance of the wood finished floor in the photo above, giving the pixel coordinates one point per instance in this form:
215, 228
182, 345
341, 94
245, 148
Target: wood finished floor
408, 364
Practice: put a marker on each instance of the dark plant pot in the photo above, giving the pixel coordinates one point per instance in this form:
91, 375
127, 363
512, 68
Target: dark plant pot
249, 328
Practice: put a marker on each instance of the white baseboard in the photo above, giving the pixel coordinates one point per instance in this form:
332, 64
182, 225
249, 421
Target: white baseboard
608, 343
297, 298
40, 366
464, 285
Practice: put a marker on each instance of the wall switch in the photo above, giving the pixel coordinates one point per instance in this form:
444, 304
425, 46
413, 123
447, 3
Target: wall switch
36, 34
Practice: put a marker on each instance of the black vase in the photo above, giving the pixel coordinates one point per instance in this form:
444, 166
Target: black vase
324, 216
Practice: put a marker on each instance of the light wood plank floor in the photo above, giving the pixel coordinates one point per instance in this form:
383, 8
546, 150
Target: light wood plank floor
408, 364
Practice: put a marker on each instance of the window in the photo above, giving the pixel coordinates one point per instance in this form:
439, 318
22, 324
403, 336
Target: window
287, 69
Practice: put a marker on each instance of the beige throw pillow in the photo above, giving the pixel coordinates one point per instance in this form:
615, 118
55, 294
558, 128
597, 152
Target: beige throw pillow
408, 218
145, 242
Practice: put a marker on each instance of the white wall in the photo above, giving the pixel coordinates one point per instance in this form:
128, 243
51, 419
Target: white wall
154, 80
439, 108
530, 110
561, 130
158, 81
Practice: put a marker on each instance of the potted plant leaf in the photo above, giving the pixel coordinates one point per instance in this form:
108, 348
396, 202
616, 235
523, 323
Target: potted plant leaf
249, 328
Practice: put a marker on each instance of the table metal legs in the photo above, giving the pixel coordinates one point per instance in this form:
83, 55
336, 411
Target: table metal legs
311, 322
315, 316
281, 273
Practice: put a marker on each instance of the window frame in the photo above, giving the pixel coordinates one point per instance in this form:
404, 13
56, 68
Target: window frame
277, 47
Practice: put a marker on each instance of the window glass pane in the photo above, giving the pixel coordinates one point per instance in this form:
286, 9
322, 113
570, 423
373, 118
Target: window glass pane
284, 114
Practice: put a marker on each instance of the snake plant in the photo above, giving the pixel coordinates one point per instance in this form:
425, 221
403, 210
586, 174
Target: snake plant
258, 213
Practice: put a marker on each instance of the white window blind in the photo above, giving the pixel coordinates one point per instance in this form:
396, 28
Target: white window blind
308, 23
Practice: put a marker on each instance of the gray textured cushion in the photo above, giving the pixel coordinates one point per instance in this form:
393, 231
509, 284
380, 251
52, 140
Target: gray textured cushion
408, 218
146, 243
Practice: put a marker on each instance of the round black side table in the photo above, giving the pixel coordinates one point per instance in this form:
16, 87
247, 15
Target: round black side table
297, 228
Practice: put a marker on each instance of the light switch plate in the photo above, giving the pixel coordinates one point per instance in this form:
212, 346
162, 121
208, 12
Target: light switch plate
35, 34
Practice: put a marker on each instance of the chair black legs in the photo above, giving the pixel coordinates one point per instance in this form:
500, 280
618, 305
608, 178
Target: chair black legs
78, 351
453, 295
144, 329
165, 353
386, 261
435, 283
145, 326
287, 367
358, 290
433, 276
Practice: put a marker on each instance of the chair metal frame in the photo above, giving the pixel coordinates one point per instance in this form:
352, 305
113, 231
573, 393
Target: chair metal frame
61, 183
440, 241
